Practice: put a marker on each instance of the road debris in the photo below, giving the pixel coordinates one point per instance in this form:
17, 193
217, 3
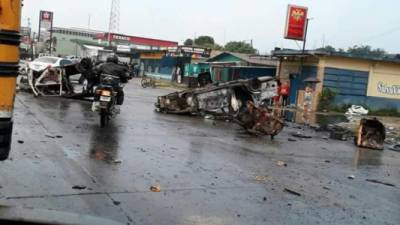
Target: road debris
281, 163
370, 134
339, 133
260, 178
395, 147
20, 142
155, 188
116, 202
292, 192
380, 182
117, 161
258, 121
351, 177
298, 134
356, 110
79, 187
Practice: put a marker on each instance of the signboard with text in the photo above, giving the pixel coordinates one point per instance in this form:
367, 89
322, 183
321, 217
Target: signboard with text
45, 25
384, 85
296, 22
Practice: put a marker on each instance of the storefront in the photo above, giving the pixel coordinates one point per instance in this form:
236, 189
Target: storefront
373, 83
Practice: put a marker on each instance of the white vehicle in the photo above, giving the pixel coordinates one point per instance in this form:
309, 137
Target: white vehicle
42, 63
73, 58
45, 75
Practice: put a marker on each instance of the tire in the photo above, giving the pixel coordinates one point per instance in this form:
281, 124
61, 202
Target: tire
103, 118
144, 83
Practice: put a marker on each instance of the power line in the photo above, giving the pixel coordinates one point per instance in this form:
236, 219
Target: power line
382, 34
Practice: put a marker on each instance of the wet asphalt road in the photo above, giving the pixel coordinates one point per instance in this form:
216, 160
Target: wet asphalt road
210, 172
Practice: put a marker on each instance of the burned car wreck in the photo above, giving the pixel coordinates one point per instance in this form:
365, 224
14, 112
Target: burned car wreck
241, 101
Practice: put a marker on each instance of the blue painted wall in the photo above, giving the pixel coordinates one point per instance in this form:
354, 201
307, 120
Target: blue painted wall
346, 82
351, 88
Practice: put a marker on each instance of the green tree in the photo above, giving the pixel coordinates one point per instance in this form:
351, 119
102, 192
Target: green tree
366, 50
188, 42
204, 41
327, 48
240, 47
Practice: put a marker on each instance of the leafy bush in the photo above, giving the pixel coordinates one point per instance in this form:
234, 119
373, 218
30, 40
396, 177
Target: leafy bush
326, 98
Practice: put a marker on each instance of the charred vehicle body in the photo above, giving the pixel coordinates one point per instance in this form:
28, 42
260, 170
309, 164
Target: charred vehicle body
238, 100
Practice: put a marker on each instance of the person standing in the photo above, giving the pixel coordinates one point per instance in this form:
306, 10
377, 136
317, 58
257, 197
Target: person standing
284, 92
308, 98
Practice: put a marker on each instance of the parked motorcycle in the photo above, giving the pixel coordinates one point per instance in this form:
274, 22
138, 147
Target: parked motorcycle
106, 98
147, 82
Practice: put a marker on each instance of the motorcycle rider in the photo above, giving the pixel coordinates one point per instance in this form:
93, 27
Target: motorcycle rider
112, 67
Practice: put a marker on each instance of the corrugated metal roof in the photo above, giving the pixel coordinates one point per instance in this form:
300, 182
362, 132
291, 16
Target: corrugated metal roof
299, 53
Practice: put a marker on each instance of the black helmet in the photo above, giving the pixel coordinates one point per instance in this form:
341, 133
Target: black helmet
112, 59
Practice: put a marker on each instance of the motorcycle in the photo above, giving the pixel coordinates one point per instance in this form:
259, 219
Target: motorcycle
106, 98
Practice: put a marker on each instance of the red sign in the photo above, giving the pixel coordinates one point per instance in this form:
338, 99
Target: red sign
296, 22
137, 40
46, 15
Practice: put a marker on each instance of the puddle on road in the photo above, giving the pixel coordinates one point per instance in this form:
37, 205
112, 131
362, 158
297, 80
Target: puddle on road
367, 157
104, 144
313, 118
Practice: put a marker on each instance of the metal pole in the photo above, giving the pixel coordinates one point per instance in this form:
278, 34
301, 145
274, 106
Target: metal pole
305, 36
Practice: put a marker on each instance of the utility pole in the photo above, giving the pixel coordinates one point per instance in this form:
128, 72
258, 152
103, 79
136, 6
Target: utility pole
88, 26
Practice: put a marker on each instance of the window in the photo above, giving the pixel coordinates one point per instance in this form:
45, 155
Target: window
65, 62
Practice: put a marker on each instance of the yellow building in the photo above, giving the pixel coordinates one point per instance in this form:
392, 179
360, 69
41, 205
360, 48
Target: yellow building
371, 82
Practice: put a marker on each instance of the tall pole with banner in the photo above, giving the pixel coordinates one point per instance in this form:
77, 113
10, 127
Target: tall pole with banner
45, 28
297, 26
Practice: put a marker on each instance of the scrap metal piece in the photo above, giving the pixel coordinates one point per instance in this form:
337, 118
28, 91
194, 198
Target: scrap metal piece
259, 121
371, 134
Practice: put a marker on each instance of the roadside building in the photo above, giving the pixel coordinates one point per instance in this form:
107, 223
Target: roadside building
85, 42
228, 66
173, 63
68, 41
371, 82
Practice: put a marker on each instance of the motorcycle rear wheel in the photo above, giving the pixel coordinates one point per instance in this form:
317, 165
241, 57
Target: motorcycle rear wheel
144, 83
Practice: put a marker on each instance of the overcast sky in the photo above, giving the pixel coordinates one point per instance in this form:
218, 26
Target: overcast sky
341, 23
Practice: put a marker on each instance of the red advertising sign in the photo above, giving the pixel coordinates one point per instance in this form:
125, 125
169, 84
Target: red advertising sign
296, 22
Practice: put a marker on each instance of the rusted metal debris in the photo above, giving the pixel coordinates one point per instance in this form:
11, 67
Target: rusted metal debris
259, 121
370, 134
237, 100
